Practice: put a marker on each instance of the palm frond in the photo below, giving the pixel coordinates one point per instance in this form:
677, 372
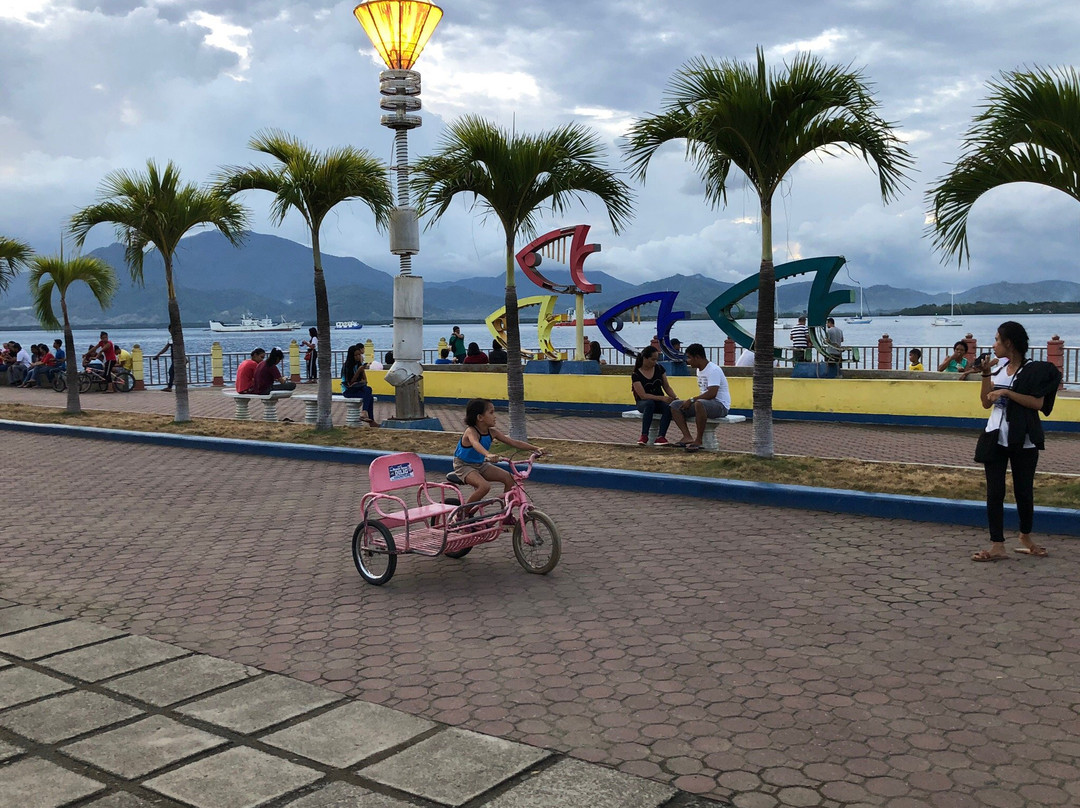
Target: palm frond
1028, 130
14, 255
51, 273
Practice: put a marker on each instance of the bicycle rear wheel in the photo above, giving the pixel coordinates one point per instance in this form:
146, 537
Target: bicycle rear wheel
457, 553
538, 548
59, 382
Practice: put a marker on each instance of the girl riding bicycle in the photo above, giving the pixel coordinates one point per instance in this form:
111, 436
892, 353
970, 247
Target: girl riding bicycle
474, 462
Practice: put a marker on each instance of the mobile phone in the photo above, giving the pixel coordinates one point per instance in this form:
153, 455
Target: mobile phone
982, 358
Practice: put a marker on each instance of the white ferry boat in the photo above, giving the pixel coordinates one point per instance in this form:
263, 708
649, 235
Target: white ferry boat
250, 323
347, 325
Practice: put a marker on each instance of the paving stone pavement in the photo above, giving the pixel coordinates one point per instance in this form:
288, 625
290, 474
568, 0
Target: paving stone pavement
949, 447
764, 656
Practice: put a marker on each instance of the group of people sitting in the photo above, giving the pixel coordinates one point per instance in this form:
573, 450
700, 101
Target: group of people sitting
956, 362
473, 355
34, 367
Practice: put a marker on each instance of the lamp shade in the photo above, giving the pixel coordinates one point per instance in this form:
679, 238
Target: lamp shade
399, 29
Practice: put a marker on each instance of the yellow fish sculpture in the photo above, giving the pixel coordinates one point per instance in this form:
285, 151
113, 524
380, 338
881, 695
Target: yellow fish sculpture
496, 323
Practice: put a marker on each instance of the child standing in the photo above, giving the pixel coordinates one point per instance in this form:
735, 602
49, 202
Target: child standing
474, 461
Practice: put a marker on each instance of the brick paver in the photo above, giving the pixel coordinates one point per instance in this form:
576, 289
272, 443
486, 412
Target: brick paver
762, 655
947, 447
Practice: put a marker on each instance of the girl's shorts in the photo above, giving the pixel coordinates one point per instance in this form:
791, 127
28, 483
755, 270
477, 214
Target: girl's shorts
462, 469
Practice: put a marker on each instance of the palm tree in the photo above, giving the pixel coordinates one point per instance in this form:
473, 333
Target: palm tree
48, 273
514, 176
313, 183
14, 255
156, 209
764, 122
1028, 131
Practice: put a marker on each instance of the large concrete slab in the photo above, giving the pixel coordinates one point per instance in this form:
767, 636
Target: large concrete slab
36, 783
18, 618
574, 784
260, 704
9, 750
180, 680
345, 795
113, 658
18, 685
65, 716
121, 799
346, 735
143, 747
454, 766
45, 640
236, 778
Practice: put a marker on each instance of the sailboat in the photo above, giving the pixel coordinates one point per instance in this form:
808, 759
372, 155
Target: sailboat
947, 320
862, 319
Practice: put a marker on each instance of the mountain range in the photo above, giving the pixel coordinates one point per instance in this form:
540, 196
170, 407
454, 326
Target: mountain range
272, 275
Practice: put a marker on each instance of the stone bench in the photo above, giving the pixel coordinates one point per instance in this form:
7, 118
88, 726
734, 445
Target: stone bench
708, 440
269, 401
353, 408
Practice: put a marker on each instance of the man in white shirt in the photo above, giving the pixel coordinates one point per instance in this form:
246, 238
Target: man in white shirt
17, 372
713, 401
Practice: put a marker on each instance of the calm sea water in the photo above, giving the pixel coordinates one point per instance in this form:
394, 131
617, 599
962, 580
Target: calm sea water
905, 331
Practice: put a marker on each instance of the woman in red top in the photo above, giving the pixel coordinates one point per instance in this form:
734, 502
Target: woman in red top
474, 356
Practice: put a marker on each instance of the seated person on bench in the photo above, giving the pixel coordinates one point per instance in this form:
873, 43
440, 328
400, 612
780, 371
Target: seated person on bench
267, 376
713, 401
474, 462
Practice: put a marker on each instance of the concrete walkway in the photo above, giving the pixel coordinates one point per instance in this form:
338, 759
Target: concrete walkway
814, 439
764, 656
95, 717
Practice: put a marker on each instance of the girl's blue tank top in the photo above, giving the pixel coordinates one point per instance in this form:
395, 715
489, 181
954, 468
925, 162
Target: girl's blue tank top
467, 454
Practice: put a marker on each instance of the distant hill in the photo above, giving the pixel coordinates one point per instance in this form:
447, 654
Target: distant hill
272, 276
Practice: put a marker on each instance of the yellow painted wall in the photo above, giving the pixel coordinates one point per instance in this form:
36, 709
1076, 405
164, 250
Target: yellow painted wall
912, 397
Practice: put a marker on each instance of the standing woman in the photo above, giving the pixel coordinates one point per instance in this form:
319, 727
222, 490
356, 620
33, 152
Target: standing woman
312, 355
1015, 390
652, 394
354, 382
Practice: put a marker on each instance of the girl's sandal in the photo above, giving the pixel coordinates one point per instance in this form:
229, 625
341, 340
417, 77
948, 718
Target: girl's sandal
986, 555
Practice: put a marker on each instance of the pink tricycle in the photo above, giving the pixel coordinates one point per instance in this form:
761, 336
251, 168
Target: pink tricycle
438, 524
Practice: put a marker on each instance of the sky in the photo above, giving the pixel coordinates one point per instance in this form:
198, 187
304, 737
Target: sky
91, 86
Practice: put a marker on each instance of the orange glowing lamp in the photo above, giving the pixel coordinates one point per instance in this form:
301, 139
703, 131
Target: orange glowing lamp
399, 29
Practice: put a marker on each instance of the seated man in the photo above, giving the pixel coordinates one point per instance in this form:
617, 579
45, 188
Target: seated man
713, 401
17, 371
267, 376
124, 358
40, 369
61, 357
497, 356
444, 357
245, 374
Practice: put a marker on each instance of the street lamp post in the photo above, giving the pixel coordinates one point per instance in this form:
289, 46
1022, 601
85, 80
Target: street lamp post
399, 30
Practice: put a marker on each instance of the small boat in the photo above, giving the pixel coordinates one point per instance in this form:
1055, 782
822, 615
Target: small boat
571, 318
250, 323
862, 319
347, 325
947, 320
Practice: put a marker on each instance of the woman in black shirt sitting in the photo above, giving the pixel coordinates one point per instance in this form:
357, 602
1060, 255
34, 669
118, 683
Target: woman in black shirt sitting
652, 393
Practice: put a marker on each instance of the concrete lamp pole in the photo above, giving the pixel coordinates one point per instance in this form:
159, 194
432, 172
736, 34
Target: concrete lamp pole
399, 30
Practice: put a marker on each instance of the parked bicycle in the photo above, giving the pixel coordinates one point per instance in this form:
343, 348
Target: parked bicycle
92, 378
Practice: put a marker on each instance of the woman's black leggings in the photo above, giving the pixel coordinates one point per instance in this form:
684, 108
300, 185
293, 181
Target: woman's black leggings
1023, 462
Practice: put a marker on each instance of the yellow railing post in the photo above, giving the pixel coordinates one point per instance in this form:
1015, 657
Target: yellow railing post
137, 367
369, 351
294, 362
217, 365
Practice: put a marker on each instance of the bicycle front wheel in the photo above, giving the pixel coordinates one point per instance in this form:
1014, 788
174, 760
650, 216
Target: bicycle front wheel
85, 382
125, 381
538, 548
373, 552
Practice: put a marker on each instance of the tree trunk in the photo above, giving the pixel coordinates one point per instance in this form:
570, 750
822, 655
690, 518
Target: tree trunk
763, 340
515, 377
74, 406
322, 325
176, 333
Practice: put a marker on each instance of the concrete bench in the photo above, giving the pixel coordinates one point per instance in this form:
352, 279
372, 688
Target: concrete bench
708, 440
353, 408
269, 401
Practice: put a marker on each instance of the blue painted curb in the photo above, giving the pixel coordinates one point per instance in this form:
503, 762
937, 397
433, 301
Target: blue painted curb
886, 506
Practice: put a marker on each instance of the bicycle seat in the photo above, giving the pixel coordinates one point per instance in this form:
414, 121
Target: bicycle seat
453, 478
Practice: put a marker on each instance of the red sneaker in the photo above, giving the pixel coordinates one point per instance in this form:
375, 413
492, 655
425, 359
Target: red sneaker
661, 441
643, 440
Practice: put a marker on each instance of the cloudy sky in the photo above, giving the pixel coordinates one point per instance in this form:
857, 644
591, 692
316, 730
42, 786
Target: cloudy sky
89, 86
